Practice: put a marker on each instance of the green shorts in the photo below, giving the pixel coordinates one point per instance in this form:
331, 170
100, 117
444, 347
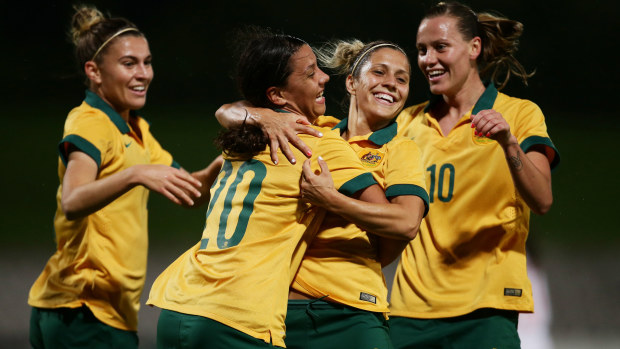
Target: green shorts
483, 328
178, 330
319, 324
75, 328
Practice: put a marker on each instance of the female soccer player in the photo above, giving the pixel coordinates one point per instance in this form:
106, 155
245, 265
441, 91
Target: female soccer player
343, 265
88, 294
488, 160
488, 157
230, 290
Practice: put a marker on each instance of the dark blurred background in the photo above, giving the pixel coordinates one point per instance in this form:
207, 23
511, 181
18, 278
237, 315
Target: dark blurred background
570, 44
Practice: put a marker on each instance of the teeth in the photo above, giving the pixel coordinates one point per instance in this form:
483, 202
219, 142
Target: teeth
385, 96
435, 73
138, 88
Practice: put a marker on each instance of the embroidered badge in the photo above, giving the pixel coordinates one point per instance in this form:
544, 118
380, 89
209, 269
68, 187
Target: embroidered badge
368, 298
370, 158
480, 140
514, 292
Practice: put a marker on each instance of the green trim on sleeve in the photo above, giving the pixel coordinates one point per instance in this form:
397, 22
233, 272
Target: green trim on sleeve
552, 153
408, 189
175, 165
356, 184
83, 145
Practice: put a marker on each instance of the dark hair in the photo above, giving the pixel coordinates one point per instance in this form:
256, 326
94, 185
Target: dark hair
500, 40
90, 29
264, 61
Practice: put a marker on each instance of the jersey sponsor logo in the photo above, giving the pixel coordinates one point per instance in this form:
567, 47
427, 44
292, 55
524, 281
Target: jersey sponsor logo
370, 158
481, 140
127, 144
514, 292
368, 298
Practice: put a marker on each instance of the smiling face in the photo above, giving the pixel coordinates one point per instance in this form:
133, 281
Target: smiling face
123, 76
303, 92
445, 58
382, 87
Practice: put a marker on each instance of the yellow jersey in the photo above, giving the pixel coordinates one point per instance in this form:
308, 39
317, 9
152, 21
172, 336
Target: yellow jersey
470, 250
100, 259
341, 263
256, 232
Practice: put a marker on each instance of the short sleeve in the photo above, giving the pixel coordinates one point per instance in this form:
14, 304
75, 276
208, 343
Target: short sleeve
404, 173
531, 130
89, 133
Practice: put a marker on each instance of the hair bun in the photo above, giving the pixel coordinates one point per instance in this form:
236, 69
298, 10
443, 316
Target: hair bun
84, 18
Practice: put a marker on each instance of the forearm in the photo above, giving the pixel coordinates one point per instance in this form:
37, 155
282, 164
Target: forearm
82, 200
531, 175
388, 220
389, 250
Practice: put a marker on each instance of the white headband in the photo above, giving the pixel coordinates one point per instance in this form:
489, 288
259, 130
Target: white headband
359, 59
110, 39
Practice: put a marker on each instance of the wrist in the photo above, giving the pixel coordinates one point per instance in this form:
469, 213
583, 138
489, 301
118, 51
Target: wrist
509, 142
252, 117
133, 176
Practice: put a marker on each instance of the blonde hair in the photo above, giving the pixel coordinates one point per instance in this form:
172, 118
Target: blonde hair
347, 56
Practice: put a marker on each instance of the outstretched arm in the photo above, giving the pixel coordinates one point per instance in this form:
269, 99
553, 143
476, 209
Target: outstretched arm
207, 176
531, 172
83, 193
280, 128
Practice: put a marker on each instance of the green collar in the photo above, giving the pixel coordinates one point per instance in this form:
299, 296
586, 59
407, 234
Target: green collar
95, 101
485, 101
379, 137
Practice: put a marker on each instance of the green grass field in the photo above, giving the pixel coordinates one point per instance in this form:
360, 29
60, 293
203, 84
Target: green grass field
585, 187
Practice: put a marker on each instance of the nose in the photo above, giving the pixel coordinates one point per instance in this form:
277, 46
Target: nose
389, 81
428, 58
323, 78
144, 71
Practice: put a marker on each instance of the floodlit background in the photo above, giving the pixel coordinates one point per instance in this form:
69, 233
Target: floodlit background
568, 43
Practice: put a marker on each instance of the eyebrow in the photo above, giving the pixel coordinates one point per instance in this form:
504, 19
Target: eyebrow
135, 57
385, 66
310, 67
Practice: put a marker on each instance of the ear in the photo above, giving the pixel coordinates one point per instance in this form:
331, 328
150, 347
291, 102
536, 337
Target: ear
475, 47
276, 96
350, 85
92, 72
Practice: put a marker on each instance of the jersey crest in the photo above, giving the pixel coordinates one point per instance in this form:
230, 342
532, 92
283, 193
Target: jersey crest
371, 157
480, 140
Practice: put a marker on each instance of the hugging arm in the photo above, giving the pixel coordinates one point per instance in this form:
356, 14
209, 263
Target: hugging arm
280, 128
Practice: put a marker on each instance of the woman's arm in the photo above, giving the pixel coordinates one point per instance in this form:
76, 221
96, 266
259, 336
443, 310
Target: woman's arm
83, 193
280, 128
531, 172
398, 219
207, 176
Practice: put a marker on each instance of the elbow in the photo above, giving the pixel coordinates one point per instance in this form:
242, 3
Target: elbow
411, 230
70, 214
220, 115
542, 207
70, 210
